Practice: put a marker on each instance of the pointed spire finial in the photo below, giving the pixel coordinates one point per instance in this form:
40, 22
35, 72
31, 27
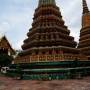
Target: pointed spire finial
85, 7
45, 2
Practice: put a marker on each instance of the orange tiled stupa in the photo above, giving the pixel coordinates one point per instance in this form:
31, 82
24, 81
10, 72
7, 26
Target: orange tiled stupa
84, 42
48, 39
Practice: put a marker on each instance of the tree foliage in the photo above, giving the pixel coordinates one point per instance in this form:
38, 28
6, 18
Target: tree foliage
5, 60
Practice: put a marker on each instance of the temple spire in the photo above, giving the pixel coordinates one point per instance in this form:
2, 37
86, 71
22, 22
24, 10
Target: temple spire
85, 7
45, 2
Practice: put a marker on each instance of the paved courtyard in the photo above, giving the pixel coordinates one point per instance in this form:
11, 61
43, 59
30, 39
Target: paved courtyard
11, 84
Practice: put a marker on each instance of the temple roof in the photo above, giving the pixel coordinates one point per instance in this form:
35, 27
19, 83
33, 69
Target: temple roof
85, 7
1, 37
4, 39
45, 2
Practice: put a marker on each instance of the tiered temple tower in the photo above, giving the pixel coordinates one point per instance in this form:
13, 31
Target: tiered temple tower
48, 39
84, 42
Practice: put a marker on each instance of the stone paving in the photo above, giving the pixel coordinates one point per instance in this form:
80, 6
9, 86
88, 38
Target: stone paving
11, 84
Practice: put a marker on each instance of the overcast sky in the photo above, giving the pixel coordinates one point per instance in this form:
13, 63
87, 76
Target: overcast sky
16, 18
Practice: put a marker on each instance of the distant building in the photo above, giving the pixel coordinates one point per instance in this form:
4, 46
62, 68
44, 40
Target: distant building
5, 47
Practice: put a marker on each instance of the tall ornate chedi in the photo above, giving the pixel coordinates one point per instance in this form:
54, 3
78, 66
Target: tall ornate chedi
84, 42
48, 39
